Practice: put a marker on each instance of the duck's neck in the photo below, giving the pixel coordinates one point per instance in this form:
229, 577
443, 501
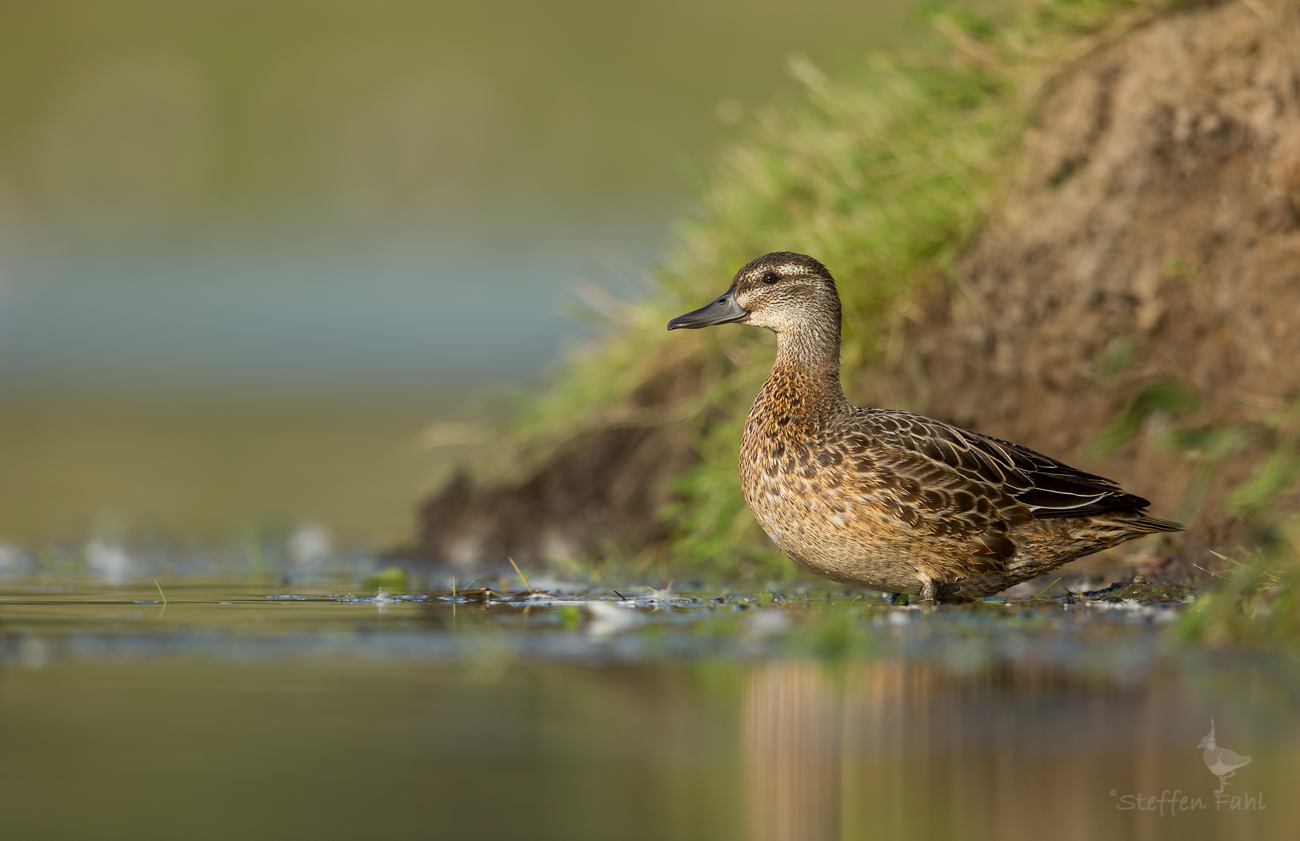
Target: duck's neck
808, 359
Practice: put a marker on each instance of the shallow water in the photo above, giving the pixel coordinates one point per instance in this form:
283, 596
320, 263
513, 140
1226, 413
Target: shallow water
252, 712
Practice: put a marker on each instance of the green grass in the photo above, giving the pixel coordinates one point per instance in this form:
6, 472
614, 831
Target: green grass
884, 177
1254, 603
388, 579
1256, 598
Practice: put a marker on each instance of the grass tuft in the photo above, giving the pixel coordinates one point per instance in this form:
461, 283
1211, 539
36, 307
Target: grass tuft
885, 177
520, 573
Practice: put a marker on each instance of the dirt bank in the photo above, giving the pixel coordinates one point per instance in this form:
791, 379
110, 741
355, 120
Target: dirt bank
1149, 245
1155, 238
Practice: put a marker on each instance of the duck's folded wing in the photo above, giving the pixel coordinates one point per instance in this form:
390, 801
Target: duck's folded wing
1047, 487
889, 470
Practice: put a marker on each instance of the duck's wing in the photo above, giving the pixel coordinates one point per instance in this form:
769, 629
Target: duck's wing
1047, 487
935, 489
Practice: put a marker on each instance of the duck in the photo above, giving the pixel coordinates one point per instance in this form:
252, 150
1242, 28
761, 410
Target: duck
1222, 762
889, 500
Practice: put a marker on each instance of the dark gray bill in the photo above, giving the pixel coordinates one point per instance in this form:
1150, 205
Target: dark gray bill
722, 311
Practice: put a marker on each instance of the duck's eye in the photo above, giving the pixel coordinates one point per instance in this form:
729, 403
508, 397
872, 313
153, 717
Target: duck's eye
770, 277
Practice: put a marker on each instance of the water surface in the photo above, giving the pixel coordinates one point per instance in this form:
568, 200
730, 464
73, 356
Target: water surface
260, 712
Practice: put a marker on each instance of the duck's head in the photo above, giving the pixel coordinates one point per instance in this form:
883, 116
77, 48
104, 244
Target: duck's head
781, 291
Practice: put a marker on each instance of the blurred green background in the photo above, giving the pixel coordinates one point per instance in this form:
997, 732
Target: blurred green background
249, 251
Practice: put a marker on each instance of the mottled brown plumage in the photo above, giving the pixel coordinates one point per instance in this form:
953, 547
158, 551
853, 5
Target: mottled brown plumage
891, 500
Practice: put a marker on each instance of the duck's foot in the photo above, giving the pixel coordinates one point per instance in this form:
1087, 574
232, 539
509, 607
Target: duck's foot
929, 592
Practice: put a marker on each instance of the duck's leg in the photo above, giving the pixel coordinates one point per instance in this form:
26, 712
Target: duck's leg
929, 591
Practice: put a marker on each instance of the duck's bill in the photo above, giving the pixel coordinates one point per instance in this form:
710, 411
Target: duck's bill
725, 310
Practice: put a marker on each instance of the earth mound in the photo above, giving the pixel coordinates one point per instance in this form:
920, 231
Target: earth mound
1137, 286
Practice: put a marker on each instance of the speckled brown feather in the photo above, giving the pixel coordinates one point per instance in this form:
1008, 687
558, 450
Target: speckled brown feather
890, 500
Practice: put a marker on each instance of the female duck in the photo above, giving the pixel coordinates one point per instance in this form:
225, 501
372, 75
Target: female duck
890, 500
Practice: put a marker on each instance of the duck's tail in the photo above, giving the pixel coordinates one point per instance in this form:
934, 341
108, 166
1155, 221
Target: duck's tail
1145, 523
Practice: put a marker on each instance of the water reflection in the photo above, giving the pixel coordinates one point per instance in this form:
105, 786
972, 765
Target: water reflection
791, 735
295, 713
897, 749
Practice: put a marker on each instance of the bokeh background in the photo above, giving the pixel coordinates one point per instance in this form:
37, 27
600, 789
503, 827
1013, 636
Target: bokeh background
249, 251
